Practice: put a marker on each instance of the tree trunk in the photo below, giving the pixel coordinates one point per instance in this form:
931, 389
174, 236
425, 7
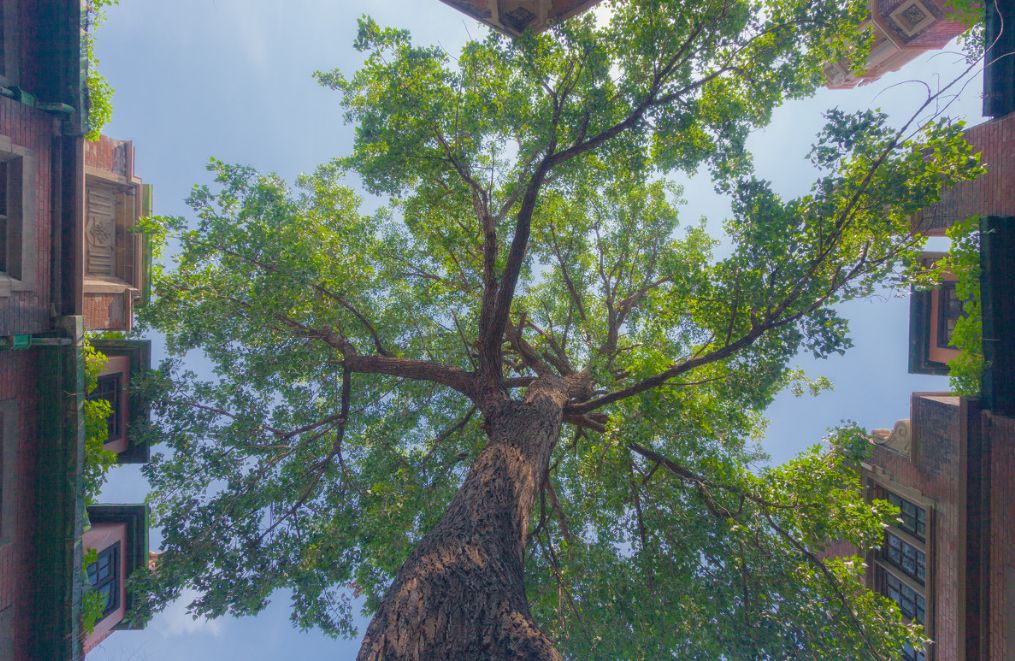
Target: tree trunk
461, 593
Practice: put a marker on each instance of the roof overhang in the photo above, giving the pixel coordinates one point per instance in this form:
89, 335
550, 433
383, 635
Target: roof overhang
515, 16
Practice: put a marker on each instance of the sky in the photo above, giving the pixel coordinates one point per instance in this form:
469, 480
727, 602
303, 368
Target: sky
231, 79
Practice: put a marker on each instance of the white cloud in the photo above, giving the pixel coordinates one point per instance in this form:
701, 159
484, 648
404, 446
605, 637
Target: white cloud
176, 621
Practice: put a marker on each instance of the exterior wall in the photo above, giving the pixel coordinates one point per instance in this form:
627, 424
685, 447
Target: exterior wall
935, 473
25, 304
1001, 596
101, 536
110, 156
31, 131
108, 311
992, 194
17, 554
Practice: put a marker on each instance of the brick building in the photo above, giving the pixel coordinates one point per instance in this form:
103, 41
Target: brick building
902, 30
68, 263
931, 467
949, 562
515, 16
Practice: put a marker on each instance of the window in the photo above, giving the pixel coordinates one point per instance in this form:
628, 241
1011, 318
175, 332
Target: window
900, 569
109, 389
11, 242
949, 310
903, 555
911, 602
104, 576
909, 654
913, 518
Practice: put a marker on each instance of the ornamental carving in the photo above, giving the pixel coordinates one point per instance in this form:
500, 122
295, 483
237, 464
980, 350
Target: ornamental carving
899, 439
911, 18
100, 232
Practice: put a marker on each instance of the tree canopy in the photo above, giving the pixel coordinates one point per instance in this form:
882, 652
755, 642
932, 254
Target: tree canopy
531, 237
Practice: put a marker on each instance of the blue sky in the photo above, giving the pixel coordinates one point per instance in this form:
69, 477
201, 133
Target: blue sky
232, 79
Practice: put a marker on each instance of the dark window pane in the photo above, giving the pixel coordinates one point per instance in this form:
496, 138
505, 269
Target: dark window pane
911, 560
949, 309
109, 389
909, 654
103, 574
911, 603
913, 519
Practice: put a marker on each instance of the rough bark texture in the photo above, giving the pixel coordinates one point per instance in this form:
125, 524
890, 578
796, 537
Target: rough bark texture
461, 593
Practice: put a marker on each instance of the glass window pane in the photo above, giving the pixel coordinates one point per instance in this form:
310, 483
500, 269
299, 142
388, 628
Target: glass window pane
906, 557
912, 518
949, 311
104, 576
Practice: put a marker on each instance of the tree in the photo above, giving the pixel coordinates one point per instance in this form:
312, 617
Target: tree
514, 408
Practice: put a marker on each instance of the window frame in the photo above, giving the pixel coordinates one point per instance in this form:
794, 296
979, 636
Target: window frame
21, 223
113, 600
881, 486
918, 521
945, 293
115, 421
899, 564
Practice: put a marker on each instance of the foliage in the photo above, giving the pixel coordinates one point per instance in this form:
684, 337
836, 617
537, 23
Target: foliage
965, 371
970, 14
98, 460
93, 603
747, 578
98, 89
531, 232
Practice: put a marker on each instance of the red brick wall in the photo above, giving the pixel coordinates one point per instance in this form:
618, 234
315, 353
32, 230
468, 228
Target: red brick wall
28, 312
1001, 431
111, 155
107, 312
18, 382
993, 194
937, 471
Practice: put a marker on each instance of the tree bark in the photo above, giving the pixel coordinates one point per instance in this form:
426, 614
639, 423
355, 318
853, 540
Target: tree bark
461, 593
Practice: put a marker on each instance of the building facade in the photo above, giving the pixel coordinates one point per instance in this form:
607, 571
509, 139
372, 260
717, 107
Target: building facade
901, 31
68, 265
931, 466
949, 561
